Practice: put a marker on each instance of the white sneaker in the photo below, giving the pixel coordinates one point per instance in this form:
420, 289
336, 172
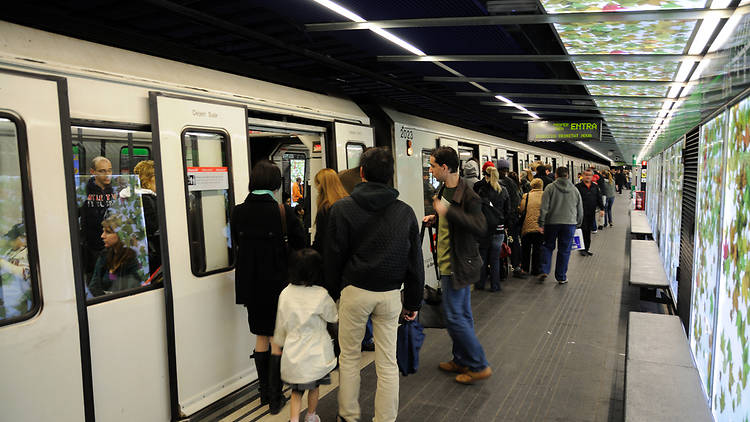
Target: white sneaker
312, 418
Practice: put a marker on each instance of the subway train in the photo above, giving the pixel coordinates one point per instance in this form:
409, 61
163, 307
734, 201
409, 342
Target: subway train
173, 343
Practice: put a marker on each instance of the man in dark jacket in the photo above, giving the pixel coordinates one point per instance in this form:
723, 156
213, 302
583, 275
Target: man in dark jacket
542, 171
619, 180
512, 225
99, 197
591, 196
460, 222
372, 247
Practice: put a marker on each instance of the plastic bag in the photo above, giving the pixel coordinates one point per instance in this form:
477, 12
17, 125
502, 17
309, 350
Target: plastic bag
577, 243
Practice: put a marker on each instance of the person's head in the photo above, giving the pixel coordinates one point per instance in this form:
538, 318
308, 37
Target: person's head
514, 176
145, 172
101, 169
548, 168
493, 177
607, 175
265, 176
329, 187
528, 175
306, 268
376, 165
116, 241
537, 167
299, 209
443, 162
485, 166
588, 175
537, 184
561, 173
299, 180
286, 198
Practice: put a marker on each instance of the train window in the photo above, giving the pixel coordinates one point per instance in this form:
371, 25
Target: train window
429, 183
208, 184
19, 291
353, 152
118, 219
130, 157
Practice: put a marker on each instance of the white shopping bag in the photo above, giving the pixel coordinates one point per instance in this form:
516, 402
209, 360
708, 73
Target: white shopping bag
577, 243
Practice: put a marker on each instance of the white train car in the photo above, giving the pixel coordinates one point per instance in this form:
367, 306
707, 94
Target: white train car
153, 352
175, 344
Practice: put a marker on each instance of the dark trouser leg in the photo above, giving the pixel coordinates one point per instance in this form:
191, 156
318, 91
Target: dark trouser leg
564, 242
526, 246
608, 214
550, 237
535, 240
459, 321
586, 229
484, 253
493, 255
515, 248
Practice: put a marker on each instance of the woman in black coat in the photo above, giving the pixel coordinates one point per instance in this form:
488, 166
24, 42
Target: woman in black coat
262, 253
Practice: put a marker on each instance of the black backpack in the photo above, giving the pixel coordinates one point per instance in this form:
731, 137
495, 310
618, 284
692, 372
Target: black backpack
493, 215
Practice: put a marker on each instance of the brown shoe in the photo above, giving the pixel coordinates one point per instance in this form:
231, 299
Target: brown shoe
469, 377
451, 366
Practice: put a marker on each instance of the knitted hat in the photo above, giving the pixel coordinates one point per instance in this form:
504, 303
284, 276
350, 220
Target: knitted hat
487, 164
503, 164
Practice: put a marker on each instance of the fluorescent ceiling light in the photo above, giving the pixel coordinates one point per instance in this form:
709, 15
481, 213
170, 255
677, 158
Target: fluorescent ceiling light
699, 70
593, 150
382, 32
684, 71
707, 28
727, 29
505, 100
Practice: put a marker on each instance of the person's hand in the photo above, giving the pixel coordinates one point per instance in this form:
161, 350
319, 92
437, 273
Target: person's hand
408, 315
541, 230
601, 213
439, 207
429, 220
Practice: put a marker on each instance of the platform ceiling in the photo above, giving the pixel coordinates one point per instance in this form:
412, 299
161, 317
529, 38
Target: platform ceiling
632, 63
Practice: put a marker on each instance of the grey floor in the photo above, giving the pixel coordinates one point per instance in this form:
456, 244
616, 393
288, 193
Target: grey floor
557, 351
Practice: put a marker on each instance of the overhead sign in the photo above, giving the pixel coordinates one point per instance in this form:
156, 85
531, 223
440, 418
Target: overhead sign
549, 131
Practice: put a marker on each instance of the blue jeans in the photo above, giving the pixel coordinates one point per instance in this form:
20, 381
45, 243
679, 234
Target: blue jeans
491, 258
563, 235
460, 324
368, 333
608, 210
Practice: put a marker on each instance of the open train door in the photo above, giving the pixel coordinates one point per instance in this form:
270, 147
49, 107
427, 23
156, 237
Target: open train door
203, 150
43, 331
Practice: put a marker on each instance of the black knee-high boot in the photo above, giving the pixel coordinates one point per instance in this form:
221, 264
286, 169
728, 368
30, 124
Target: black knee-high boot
262, 364
276, 396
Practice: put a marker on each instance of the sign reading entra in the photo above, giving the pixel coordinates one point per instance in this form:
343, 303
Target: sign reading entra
548, 131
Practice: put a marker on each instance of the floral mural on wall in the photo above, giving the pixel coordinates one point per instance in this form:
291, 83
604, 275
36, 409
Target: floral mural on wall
647, 71
731, 392
569, 6
707, 245
640, 37
628, 90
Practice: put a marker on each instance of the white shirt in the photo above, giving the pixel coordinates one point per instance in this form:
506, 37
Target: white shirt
301, 330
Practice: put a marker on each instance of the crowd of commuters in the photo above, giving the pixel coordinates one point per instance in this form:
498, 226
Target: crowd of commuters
364, 272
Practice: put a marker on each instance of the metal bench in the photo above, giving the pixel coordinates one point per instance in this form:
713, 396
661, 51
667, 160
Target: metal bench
647, 272
639, 227
661, 380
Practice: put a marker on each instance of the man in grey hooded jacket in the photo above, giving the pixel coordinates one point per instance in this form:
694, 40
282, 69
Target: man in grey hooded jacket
471, 173
561, 212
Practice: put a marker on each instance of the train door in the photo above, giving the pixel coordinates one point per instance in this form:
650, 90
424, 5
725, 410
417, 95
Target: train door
130, 378
300, 154
466, 152
205, 175
484, 155
554, 164
40, 305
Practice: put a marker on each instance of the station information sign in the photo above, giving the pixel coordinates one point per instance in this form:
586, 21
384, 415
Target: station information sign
557, 131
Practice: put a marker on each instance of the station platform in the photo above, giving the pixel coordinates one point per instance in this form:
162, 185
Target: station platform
557, 351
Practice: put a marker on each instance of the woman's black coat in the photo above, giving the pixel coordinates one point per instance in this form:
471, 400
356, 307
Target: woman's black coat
261, 272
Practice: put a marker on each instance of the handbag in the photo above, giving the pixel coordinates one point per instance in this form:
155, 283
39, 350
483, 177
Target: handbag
505, 251
431, 314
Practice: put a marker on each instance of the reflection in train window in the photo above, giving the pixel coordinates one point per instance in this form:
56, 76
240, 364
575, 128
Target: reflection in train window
429, 183
353, 152
118, 219
208, 183
19, 298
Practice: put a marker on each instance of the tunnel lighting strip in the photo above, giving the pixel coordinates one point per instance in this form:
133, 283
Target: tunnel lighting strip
348, 14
